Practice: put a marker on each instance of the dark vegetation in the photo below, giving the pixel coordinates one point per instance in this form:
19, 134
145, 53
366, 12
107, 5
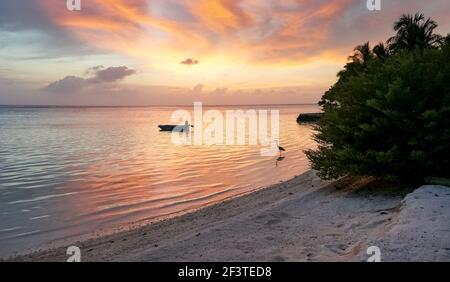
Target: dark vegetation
388, 115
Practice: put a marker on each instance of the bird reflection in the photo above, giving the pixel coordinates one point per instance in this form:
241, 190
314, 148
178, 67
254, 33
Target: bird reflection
187, 138
279, 159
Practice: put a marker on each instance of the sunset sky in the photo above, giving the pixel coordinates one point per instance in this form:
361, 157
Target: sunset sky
158, 52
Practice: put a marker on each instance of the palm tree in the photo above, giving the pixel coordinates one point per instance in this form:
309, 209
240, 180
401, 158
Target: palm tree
414, 32
381, 51
358, 61
363, 54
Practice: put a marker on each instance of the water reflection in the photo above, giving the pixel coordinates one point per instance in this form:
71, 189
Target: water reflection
70, 171
279, 159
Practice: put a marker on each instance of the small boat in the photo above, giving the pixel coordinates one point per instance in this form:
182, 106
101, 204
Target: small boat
169, 127
309, 118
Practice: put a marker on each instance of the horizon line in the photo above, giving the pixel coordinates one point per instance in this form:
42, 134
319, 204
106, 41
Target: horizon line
147, 106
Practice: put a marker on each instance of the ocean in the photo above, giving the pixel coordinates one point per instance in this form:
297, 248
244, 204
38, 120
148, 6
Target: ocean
71, 171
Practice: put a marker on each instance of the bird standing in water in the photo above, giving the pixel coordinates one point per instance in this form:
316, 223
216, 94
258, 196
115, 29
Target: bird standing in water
280, 149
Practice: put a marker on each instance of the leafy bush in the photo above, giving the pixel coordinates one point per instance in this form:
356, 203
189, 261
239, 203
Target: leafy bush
388, 117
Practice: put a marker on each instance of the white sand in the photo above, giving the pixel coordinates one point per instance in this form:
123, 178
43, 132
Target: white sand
421, 230
304, 219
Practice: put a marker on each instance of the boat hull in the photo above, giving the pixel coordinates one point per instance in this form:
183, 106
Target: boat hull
171, 128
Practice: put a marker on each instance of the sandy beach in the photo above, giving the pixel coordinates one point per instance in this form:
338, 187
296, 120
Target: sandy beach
203, 131
304, 219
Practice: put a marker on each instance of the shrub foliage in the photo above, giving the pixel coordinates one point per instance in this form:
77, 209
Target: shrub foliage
388, 115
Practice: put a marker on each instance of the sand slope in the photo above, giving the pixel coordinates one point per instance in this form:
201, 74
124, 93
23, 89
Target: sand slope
421, 229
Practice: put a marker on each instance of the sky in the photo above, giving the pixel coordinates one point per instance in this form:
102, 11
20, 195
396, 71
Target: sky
172, 52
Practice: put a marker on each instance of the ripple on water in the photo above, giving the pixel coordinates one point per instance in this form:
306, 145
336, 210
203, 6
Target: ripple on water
66, 172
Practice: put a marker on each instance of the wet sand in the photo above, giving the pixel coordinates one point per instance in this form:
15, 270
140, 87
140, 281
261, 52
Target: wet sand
304, 219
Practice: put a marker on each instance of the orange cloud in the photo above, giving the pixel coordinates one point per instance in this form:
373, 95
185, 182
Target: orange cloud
253, 31
220, 16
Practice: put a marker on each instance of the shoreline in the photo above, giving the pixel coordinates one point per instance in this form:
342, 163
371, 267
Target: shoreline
302, 219
133, 226
130, 226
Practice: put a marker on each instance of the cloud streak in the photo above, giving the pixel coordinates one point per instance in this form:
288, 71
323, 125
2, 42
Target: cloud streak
190, 62
251, 31
72, 83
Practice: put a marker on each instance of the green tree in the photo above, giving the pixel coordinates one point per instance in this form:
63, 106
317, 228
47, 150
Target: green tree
358, 61
363, 54
381, 51
391, 118
414, 32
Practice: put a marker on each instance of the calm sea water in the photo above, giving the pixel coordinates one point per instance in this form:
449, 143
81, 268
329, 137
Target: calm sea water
66, 172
